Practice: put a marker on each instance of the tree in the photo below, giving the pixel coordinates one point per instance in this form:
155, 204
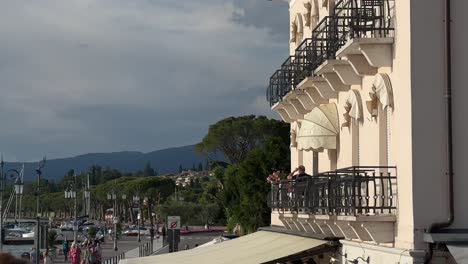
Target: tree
200, 166
235, 137
180, 168
148, 171
245, 187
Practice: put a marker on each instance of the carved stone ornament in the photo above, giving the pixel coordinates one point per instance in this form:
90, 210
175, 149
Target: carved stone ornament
346, 116
307, 15
294, 132
293, 138
372, 105
293, 32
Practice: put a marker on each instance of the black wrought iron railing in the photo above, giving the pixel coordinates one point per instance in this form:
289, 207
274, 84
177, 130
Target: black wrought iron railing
350, 191
282, 81
351, 19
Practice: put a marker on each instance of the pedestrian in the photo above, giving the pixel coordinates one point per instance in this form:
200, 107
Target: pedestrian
65, 248
92, 255
47, 257
75, 254
98, 253
33, 255
86, 255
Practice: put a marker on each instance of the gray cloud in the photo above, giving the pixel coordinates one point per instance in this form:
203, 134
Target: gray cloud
106, 75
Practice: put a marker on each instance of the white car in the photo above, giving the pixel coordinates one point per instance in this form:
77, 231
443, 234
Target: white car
134, 232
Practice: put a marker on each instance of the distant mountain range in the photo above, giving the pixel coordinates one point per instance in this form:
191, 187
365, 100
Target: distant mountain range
163, 161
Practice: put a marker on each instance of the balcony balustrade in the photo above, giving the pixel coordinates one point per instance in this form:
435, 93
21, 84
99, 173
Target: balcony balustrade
351, 19
351, 191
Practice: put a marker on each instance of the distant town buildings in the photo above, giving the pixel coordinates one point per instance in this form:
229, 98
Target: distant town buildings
188, 177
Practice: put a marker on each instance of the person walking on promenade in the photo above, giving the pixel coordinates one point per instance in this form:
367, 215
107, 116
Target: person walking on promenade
33, 255
47, 257
98, 251
65, 248
75, 254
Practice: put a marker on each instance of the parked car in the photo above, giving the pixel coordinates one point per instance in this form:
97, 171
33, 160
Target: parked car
134, 232
86, 226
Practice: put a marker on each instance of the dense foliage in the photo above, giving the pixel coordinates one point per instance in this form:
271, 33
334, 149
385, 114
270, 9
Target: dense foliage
235, 137
256, 146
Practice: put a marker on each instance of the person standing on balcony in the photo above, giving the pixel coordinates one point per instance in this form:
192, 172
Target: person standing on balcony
298, 174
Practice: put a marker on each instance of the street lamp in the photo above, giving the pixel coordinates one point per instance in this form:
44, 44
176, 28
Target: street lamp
18, 187
38, 217
124, 215
70, 193
136, 199
112, 196
19, 194
3, 176
87, 197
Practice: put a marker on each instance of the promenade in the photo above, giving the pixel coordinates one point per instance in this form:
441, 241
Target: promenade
127, 245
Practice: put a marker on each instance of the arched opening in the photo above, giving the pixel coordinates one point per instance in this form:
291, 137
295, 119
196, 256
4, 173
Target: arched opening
380, 107
352, 117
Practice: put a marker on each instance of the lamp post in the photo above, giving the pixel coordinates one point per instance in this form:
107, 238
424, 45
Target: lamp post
70, 193
19, 186
112, 196
124, 211
2, 189
38, 219
136, 199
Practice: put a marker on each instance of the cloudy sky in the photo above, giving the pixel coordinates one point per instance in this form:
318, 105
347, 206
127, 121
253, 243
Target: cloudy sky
81, 76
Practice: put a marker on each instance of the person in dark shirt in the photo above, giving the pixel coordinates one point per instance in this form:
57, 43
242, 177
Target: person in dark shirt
298, 174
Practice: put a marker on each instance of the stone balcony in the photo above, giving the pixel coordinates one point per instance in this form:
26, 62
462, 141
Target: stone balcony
356, 203
354, 42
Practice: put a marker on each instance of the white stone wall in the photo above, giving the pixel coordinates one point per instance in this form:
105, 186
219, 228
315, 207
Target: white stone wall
413, 137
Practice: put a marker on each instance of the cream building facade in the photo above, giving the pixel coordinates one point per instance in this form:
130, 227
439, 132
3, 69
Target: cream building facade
365, 92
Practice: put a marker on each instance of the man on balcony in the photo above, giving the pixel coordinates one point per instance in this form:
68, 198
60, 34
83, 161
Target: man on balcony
300, 176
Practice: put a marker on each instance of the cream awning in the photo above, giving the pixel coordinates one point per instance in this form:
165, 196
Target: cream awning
259, 247
319, 128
